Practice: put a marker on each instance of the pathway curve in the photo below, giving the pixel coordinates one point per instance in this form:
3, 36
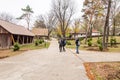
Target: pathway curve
92, 56
45, 64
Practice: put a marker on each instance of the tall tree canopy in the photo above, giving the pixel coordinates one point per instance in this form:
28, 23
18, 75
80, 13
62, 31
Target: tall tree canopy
93, 9
26, 15
63, 10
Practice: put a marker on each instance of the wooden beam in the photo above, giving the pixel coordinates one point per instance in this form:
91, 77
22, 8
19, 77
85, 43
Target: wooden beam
18, 38
12, 38
23, 40
27, 39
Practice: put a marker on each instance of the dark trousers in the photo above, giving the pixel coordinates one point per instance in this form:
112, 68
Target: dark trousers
61, 48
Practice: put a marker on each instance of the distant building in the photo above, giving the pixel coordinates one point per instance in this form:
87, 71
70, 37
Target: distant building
11, 33
40, 32
117, 31
82, 33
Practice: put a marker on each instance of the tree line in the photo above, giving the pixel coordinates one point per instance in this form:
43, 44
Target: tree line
102, 15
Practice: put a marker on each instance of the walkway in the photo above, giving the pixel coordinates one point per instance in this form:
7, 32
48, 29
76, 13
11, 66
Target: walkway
46, 64
92, 56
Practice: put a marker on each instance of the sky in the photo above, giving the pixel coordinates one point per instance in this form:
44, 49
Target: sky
40, 7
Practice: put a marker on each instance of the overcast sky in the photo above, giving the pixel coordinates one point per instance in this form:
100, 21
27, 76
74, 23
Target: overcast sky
39, 7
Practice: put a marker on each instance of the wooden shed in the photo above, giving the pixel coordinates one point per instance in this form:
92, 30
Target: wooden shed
11, 33
40, 32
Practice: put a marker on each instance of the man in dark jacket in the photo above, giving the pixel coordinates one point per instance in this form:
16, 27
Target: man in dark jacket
77, 42
63, 44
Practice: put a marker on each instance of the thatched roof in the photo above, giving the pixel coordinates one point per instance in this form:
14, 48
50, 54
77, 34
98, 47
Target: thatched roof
40, 31
15, 29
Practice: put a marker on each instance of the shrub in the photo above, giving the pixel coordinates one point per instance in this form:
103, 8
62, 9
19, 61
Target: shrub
113, 42
41, 41
36, 43
81, 38
16, 47
68, 43
89, 42
99, 41
100, 47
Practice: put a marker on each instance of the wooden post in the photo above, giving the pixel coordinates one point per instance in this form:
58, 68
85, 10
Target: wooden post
23, 40
27, 39
18, 38
12, 38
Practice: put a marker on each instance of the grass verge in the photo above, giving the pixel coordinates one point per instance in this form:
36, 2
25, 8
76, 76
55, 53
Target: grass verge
23, 48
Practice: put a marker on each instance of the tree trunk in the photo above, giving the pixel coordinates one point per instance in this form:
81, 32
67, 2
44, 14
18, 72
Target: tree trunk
114, 27
105, 35
90, 31
87, 34
49, 34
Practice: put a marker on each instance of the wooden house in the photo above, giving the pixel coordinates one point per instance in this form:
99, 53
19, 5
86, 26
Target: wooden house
11, 33
40, 32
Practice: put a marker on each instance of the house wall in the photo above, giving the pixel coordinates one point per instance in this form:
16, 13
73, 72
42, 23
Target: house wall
95, 33
5, 40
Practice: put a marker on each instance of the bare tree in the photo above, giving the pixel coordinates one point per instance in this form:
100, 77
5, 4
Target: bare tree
92, 10
7, 17
51, 22
40, 22
76, 26
115, 9
48, 21
63, 10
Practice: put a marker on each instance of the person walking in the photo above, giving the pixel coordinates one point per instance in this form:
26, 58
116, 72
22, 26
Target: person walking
77, 42
63, 44
60, 44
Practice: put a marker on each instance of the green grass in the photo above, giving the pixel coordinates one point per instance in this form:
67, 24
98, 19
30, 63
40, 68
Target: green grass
94, 46
23, 48
32, 46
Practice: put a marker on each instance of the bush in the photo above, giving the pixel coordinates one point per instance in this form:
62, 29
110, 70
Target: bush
36, 43
81, 38
100, 47
99, 41
90, 39
89, 42
41, 41
113, 42
68, 43
16, 47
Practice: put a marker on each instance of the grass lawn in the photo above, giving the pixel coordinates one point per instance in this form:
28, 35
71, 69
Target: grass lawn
94, 45
23, 48
103, 70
